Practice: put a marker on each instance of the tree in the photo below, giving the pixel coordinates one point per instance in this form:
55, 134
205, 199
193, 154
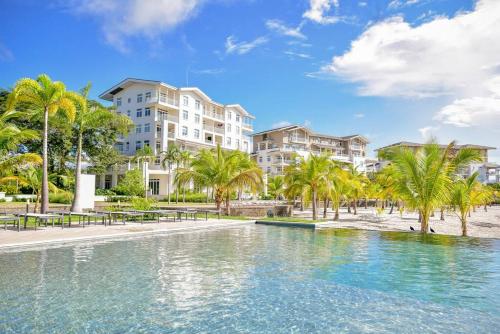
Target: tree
132, 184
170, 157
185, 158
224, 171
49, 98
339, 187
424, 178
90, 115
276, 186
462, 196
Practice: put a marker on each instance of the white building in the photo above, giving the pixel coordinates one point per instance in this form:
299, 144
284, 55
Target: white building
164, 115
274, 149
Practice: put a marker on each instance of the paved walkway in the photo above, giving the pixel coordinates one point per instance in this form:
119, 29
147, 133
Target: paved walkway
11, 239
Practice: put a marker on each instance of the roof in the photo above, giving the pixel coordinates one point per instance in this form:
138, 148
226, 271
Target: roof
197, 91
311, 133
241, 109
412, 144
108, 94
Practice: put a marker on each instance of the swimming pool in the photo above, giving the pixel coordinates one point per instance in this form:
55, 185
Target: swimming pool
256, 279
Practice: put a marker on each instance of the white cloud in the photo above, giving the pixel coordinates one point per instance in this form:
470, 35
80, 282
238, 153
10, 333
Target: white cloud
359, 115
319, 9
427, 132
233, 46
121, 19
443, 56
282, 29
396, 4
280, 124
362, 4
209, 71
298, 55
475, 111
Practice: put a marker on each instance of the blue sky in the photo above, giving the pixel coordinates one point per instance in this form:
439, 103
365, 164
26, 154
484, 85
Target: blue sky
390, 70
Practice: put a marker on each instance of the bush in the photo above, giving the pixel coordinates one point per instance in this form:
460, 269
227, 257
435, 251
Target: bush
132, 184
117, 198
64, 197
266, 197
104, 192
8, 189
190, 198
139, 203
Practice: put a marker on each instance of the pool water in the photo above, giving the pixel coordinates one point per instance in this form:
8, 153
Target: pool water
256, 279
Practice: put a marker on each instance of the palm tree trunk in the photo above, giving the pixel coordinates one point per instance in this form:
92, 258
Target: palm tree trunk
177, 195
336, 217
168, 183
486, 208
442, 214
45, 165
228, 203
348, 207
424, 224
184, 195
314, 203
366, 203
392, 208
355, 205
77, 205
325, 207
463, 220
37, 198
208, 194
301, 203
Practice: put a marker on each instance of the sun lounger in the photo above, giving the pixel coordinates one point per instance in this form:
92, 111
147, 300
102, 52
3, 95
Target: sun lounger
11, 218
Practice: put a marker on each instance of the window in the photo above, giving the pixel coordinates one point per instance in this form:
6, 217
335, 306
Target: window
196, 133
268, 158
185, 115
229, 115
138, 145
260, 159
229, 128
237, 130
157, 161
139, 98
147, 127
128, 113
197, 105
138, 128
237, 143
138, 113
147, 111
154, 186
238, 118
269, 169
148, 96
146, 143
185, 100
197, 118
129, 100
228, 141
127, 146
163, 97
119, 101
158, 129
158, 146
119, 147
184, 131
107, 181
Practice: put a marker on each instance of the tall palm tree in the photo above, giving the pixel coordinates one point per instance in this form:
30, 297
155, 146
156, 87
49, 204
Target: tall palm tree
185, 158
170, 157
225, 171
89, 115
424, 178
276, 186
47, 98
339, 187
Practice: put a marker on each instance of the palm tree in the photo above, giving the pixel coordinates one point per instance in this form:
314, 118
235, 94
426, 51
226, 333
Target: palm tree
357, 186
170, 157
339, 187
276, 186
462, 196
424, 178
89, 114
311, 174
185, 158
48, 98
224, 171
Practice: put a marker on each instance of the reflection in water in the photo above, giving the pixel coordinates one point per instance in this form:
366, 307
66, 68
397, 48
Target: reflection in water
256, 279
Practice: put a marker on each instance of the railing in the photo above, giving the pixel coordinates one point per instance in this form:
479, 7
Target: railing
213, 129
213, 115
297, 139
247, 125
171, 135
165, 99
356, 147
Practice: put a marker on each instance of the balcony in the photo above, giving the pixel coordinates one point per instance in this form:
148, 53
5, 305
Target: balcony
213, 129
211, 114
247, 126
171, 135
297, 139
356, 147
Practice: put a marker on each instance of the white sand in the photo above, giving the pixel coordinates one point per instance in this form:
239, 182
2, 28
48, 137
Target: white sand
481, 224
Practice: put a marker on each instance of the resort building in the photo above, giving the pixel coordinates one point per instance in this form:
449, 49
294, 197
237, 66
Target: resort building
164, 115
274, 149
488, 172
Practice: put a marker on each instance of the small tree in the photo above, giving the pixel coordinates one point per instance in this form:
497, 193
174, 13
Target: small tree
462, 196
132, 184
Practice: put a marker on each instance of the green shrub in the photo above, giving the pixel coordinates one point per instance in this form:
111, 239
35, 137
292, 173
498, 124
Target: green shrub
139, 203
117, 198
104, 192
190, 198
132, 184
64, 197
265, 197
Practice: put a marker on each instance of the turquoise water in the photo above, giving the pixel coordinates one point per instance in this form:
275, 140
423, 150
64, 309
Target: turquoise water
256, 279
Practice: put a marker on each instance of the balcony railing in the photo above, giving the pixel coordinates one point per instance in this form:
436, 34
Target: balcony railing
171, 135
297, 139
213, 115
213, 129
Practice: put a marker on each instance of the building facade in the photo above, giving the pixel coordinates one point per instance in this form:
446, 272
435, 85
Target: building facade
274, 149
165, 115
487, 172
